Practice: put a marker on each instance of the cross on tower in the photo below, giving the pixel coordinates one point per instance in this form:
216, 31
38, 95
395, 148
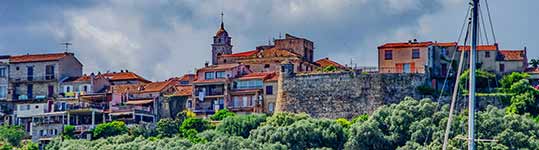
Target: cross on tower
66, 44
222, 14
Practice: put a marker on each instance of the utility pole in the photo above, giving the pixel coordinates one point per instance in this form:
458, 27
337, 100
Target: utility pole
471, 96
66, 44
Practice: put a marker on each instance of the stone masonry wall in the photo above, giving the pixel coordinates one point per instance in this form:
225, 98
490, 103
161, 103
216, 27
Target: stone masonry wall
344, 95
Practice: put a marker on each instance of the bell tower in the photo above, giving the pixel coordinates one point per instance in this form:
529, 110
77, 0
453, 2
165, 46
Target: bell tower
221, 43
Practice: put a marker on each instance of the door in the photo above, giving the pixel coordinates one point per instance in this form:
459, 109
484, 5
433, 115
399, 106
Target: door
50, 91
406, 68
30, 91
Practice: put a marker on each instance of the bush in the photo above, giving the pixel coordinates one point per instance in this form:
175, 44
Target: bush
329, 69
143, 129
222, 114
167, 127
360, 118
110, 129
69, 132
12, 134
343, 122
426, 90
485, 81
240, 125
508, 80
304, 133
184, 115
194, 123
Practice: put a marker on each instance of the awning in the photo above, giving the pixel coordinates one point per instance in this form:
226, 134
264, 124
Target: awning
139, 102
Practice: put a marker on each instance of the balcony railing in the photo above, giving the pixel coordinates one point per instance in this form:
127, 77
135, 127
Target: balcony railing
32, 78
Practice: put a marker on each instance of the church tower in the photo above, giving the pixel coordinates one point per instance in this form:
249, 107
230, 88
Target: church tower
221, 43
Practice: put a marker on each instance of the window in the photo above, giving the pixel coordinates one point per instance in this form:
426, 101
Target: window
3, 92
415, 54
253, 101
29, 90
487, 54
245, 101
209, 75
388, 54
502, 67
68, 88
236, 102
266, 66
444, 69
220, 74
444, 52
249, 84
269, 90
270, 107
49, 72
3, 72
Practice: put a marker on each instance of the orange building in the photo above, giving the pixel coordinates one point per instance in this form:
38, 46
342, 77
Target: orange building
410, 57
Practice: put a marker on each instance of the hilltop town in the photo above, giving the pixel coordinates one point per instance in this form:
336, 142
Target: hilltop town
43, 93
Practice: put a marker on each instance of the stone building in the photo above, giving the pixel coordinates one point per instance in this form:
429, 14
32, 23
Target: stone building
6, 109
253, 93
34, 82
491, 58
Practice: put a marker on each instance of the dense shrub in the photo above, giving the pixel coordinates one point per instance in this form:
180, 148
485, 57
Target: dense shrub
300, 133
68, 132
344, 123
143, 129
194, 123
167, 127
12, 134
508, 80
360, 118
240, 125
110, 129
485, 81
222, 114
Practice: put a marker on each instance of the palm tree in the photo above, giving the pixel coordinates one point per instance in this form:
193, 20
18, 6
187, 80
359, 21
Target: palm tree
534, 63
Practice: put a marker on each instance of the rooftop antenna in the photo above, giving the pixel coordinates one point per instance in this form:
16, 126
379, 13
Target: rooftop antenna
222, 19
280, 36
66, 45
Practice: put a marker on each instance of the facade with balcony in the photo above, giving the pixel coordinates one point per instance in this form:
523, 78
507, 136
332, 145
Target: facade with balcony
211, 89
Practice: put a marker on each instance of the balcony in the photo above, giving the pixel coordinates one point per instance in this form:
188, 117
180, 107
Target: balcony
34, 78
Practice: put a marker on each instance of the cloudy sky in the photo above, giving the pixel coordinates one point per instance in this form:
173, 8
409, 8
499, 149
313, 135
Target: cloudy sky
160, 39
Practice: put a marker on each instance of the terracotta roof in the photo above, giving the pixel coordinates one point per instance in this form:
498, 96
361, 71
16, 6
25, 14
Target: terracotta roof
182, 90
139, 102
406, 44
219, 67
325, 62
156, 86
121, 76
211, 81
533, 70
37, 57
480, 48
512, 55
274, 52
125, 88
242, 54
448, 44
257, 75
274, 78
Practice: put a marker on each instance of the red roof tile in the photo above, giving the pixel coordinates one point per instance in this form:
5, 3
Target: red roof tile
325, 62
274, 52
183, 90
37, 57
448, 44
242, 54
219, 67
405, 44
211, 81
142, 88
480, 48
121, 76
257, 75
512, 55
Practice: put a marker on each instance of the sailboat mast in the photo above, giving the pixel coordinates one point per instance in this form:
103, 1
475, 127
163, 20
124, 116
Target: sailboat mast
473, 54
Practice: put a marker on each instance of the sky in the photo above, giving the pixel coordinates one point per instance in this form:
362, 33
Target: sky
159, 39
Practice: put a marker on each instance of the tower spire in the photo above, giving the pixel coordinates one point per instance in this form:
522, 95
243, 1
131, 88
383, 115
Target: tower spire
222, 20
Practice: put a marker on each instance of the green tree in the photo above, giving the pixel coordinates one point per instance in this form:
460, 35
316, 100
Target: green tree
344, 123
167, 127
240, 125
222, 114
508, 80
484, 80
534, 63
143, 129
301, 134
110, 129
12, 134
360, 118
194, 123
69, 132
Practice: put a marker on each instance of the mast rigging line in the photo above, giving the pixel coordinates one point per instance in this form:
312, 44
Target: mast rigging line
490, 20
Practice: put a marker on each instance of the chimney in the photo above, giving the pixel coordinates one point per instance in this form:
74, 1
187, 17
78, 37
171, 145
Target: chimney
121, 70
206, 64
126, 70
409, 41
415, 40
